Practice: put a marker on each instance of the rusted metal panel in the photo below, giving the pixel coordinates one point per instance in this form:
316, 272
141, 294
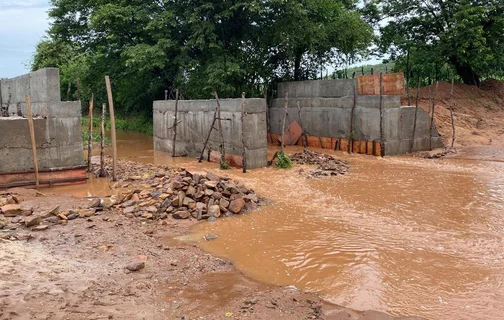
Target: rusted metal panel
326, 143
293, 133
48, 178
393, 84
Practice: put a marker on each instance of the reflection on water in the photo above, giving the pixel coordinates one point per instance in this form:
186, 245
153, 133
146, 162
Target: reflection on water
401, 235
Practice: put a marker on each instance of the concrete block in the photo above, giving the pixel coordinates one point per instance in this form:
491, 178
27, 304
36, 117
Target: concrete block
374, 101
316, 88
64, 131
391, 124
16, 160
366, 123
66, 156
64, 109
196, 118
16, 133
45, 85
20, 88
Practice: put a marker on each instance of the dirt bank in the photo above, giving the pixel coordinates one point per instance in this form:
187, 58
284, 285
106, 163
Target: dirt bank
110, 265
478, 112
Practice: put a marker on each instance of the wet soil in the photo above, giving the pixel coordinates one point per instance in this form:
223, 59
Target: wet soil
79, 271
400, 235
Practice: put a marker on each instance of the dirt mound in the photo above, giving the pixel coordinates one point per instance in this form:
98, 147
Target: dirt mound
478, 112
494, 86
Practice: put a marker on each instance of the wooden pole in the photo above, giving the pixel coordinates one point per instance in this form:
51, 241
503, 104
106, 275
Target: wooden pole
451, 112
244, 159
112, 128
432, 115
222, 147
175, 123
267, 113
90, 132
283, 123
352, 112
208, 138
382, 131
32, 137
416, 113
102, 172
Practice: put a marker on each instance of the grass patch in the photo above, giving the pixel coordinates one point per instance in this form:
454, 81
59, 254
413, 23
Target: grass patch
283, 161
224, 165
139, 123
95, 138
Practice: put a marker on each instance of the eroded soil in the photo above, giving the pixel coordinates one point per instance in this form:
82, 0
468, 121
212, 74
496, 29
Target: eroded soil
77, 270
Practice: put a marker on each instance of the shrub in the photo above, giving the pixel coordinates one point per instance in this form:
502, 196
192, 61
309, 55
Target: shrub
283, 161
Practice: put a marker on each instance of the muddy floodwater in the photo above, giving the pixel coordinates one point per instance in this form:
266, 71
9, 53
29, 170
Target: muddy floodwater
402, 235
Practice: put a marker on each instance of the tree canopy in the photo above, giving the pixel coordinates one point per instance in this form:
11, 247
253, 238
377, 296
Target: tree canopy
197, 46
466, 34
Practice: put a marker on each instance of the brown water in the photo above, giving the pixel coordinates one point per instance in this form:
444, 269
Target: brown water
400, 235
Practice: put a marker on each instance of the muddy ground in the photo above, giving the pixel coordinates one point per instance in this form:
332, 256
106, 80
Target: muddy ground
78, 269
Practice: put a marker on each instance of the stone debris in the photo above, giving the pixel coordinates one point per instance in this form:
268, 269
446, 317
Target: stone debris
436, 153
149, 192
136, 266
183, 194
327, 165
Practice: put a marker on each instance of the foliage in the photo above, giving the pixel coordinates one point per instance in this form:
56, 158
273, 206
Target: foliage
365, 69
427, 36
139, 123
96, 137
149, 46
283, 161
224, 165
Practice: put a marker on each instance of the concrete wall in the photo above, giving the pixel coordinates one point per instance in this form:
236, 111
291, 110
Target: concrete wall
196, 118
330, 116
57, 126
316, 88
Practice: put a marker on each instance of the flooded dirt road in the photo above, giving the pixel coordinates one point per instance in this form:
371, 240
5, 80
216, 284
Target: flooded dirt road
401, 235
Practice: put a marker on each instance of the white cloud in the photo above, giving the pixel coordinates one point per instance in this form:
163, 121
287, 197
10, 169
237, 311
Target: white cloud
22, 25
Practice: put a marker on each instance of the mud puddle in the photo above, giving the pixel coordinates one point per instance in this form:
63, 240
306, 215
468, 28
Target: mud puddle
400, 235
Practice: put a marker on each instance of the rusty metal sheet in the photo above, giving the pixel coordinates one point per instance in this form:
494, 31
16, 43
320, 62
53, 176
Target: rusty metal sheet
393, 84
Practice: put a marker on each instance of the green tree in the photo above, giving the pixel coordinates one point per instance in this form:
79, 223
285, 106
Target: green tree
198, 46
467, 34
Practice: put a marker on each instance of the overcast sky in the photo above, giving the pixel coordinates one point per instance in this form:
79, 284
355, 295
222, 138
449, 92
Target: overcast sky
22, 24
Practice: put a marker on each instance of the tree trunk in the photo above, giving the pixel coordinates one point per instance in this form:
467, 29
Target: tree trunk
297, 65
465, 72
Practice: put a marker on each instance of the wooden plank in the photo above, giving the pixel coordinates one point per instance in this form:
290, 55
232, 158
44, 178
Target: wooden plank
32, 137
244, 159
90, 131
112, 128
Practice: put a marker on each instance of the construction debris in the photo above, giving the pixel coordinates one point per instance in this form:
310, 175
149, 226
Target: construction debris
327, 165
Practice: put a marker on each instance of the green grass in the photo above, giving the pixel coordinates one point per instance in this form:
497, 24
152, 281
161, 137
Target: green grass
224, 165
283, 161
138, 123
95, 138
